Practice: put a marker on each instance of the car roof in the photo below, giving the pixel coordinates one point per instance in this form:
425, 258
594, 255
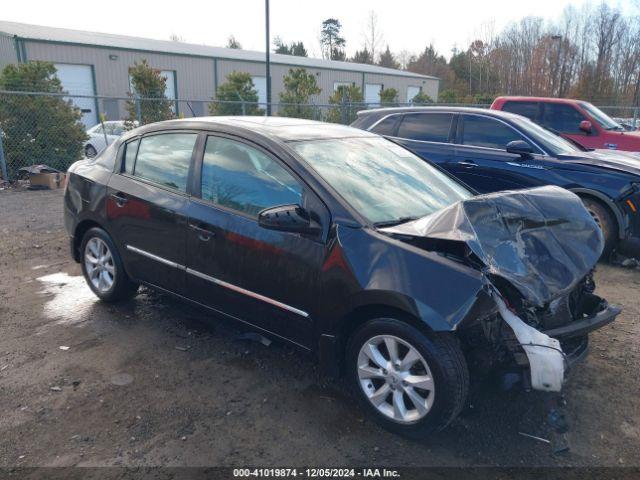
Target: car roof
518, 98
280, 128
381, 112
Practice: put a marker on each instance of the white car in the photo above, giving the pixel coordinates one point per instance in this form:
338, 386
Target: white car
100, 137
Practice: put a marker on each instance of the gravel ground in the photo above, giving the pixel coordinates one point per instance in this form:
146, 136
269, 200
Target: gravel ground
157, 382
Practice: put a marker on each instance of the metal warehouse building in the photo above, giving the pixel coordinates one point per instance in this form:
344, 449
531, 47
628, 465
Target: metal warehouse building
91, 63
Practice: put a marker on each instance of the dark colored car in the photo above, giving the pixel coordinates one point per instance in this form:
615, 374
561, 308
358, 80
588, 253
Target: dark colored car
491, 151
577, 120
303, 231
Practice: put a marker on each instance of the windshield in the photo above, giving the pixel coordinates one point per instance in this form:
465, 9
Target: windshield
384, 182
602, 118
553, 143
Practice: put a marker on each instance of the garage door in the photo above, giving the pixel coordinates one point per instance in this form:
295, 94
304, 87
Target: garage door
78, 80
372, 94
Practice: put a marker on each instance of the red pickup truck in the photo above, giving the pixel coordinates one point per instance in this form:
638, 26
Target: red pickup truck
580, 121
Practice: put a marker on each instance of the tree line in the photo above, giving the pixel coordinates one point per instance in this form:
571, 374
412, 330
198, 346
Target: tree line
591, 52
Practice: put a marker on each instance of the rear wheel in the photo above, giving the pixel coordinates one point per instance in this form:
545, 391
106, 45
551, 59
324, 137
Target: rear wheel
605, 221
410, 383
102, 267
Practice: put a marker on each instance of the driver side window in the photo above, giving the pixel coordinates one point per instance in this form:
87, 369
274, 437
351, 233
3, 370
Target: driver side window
242, 178
487, 132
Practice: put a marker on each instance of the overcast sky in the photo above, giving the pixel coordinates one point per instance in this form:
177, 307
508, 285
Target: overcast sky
405, 24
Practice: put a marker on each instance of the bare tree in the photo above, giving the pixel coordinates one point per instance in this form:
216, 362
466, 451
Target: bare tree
404, 57
373, 37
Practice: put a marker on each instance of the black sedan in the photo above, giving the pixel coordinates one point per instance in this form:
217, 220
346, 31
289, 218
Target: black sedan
491, 150
348, 246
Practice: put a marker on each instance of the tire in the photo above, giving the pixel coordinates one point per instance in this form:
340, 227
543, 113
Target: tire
90, 151
605, 221
102, 267
445, 365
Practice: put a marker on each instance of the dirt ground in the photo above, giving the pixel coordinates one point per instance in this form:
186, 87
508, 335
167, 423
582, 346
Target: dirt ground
157, 382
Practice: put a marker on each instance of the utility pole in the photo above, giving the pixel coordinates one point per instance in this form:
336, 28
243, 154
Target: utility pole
268, 62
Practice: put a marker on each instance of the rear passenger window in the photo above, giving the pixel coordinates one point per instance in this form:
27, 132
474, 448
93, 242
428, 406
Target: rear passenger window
562, 118
427, 127
526, 109
130, 156
239, 177
487, 132
165, 159
387, 126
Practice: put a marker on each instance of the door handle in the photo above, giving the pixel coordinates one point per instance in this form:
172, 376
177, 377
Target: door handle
203, 234
467, 164
120, 198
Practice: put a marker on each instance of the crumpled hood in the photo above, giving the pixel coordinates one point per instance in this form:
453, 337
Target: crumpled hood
541, 240
613, 159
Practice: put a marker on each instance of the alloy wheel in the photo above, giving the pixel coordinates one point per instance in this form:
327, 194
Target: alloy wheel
98, 262
396, 378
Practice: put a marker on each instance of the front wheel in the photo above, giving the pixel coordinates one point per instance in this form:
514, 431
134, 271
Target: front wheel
605, 221
409, 382
102, 267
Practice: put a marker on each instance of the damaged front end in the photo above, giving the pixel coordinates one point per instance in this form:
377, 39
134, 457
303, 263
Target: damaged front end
537, 249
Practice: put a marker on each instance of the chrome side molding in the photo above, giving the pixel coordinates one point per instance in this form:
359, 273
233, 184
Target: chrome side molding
219, 282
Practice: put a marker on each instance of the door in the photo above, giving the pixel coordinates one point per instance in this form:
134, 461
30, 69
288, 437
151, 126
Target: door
260, 84
428, 135
263, 277
411, 93
170, 87
169, 91
565, 119
372, 94
482, 162
147, 207
78, 80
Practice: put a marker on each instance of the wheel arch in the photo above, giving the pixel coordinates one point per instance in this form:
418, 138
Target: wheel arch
606, 202
78, 234
332, 348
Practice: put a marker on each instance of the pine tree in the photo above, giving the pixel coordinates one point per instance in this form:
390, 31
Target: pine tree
38, 128
299, 86
148, 102
240, 90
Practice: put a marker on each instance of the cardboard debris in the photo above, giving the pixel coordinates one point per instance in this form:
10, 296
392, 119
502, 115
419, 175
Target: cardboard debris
44, 177
52, 181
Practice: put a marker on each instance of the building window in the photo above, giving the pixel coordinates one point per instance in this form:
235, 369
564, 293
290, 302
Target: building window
341, 84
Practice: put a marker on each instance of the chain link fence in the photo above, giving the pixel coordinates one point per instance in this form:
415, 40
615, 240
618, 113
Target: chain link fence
57, 129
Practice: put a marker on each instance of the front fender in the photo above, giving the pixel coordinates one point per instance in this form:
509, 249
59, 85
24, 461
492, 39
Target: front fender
366, 268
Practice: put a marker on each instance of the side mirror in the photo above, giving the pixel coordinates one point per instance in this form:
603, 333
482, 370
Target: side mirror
520, 147
586, 127
288, 218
